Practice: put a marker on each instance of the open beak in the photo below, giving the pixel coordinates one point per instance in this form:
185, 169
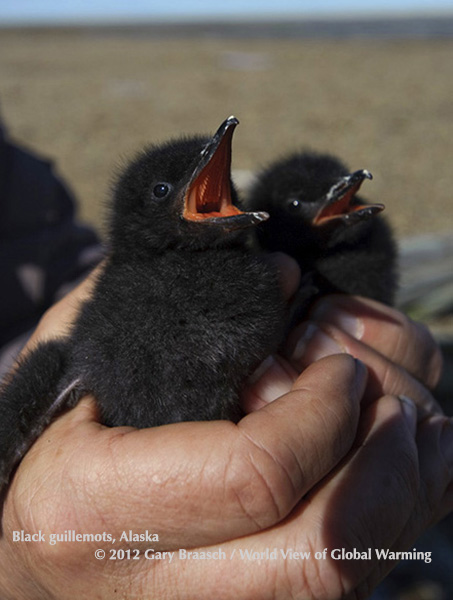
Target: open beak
340, 202
208, 194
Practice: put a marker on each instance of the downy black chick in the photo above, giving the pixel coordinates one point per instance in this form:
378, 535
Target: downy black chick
338, 240
181, 314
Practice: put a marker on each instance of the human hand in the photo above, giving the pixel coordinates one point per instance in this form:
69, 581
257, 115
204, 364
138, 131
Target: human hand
402, 360
195, 484
197, 498
192, 483
401, 355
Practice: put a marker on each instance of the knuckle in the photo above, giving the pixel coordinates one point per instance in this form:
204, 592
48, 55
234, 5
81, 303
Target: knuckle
436, 366
263, 488
431, 356
416, 349
407, 475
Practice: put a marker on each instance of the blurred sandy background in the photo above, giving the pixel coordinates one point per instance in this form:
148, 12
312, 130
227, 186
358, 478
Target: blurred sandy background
89, 98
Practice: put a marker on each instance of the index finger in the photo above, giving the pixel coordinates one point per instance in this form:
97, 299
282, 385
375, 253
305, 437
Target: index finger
387, 330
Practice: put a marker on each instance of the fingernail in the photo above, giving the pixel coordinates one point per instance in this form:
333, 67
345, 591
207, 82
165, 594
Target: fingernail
446, 442
409, 411
314, 343
267, 364
270, 380
339, 317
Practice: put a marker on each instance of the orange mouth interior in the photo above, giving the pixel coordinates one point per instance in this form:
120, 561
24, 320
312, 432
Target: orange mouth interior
340, 207
209, 195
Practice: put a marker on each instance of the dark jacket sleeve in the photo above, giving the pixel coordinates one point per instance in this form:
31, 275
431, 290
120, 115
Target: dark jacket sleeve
42, 247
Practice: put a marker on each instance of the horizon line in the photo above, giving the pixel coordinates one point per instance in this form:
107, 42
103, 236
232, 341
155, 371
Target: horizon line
186, 18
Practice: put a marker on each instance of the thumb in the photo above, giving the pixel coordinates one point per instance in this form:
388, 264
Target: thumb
308, 430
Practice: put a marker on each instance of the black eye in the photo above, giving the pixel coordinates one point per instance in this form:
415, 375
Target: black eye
293, 205
161, 190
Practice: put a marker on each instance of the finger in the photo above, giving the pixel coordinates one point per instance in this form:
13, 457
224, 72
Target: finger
195, 483
362, 505
374, 489
288, 271
435, 449
275, 377
435, 444
388, 331
268, 461
323, 407
383, 472
435, 499
311, 341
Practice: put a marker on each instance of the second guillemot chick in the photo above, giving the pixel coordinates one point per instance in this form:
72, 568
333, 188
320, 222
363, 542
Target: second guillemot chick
340, 241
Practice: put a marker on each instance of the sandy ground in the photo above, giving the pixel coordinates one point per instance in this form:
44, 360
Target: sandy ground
89, 101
